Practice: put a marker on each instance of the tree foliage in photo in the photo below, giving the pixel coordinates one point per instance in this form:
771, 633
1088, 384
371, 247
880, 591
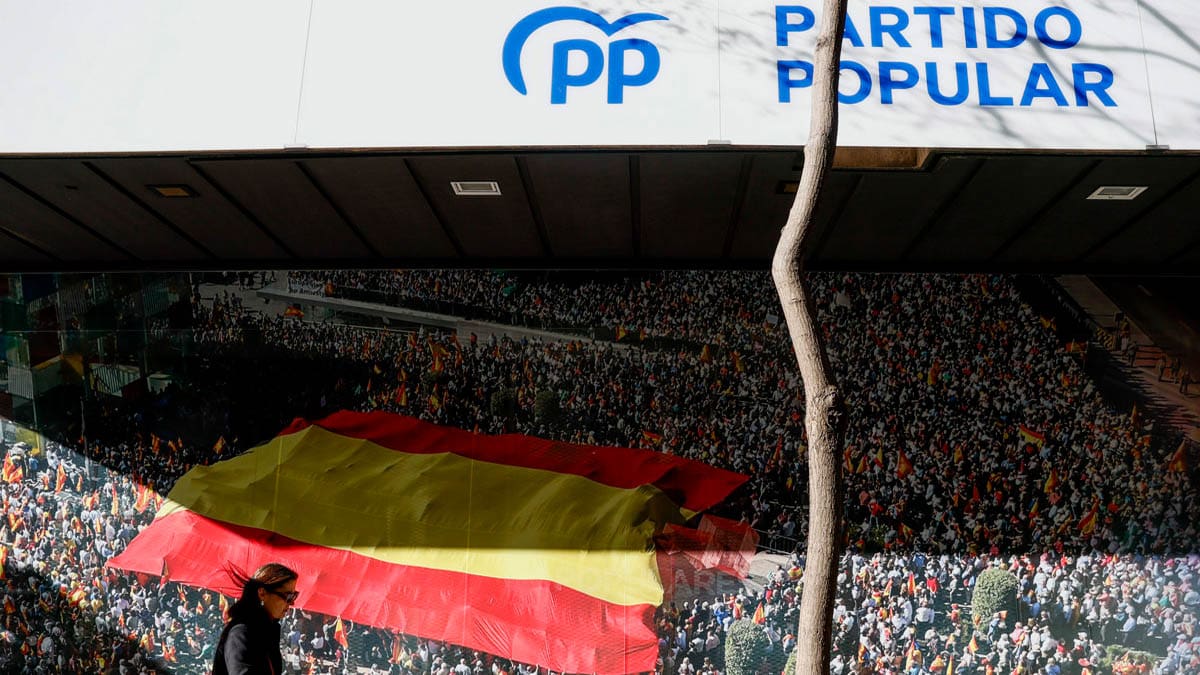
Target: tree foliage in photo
995, 591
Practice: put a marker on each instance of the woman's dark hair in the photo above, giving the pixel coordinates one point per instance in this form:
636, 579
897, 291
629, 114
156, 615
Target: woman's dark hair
270, 576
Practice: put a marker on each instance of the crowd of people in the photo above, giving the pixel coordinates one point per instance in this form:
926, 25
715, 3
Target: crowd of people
696, 306
67, 515
911, 613
962, 404
975, 441
64, 611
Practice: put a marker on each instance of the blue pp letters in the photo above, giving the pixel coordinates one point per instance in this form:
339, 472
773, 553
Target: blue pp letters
591, 57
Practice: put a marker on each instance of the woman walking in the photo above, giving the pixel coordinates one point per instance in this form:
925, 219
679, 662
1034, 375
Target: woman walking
249, 644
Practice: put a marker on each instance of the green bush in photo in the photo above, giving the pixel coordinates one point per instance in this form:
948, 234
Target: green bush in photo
745, 648
503, 403
546, 407
995, 591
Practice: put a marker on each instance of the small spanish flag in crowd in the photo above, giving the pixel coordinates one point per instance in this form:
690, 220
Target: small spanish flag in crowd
1030, 436
1178, 462
339, 634
903, 465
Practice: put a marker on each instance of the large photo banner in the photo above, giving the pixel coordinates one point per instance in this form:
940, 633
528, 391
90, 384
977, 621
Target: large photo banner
492, 472
141, 76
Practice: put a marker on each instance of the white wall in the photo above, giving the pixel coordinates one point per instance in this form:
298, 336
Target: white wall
142, 75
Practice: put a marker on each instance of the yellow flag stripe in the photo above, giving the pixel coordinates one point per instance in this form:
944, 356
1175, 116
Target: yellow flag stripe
440, 511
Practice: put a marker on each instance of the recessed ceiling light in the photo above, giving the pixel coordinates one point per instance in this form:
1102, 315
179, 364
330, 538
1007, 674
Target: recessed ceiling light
173, 191
851, 157
476, 188
1118, 192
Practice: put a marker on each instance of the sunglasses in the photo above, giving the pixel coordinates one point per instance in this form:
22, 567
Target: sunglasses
289, 597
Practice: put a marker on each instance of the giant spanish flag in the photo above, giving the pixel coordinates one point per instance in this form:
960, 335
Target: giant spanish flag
538, 551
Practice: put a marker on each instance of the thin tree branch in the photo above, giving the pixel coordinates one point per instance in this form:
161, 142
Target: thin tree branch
824, 417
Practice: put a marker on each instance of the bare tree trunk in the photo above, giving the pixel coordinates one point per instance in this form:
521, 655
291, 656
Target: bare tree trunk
824, 418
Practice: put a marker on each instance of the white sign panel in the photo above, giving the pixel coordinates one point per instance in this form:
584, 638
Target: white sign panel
1023, 73
135, 75
1172, 34
509, 73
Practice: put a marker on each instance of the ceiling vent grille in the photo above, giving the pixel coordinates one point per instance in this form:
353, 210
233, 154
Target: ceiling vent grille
1117, 192
476, 188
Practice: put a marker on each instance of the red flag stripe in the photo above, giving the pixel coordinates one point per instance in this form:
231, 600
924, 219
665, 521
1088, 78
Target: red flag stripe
693, 485
536, 622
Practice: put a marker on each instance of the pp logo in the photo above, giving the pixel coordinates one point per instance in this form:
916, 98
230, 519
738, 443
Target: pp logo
561, 77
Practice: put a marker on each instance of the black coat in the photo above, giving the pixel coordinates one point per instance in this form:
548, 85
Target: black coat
249, 646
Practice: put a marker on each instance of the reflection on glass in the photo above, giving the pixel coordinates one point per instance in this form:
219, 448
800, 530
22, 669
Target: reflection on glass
1007, 505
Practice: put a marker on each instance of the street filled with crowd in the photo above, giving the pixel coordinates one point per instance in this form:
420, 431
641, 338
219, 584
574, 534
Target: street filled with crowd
976, 442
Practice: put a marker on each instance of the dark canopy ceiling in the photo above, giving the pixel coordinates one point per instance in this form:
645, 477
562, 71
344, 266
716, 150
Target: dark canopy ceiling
716, 207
